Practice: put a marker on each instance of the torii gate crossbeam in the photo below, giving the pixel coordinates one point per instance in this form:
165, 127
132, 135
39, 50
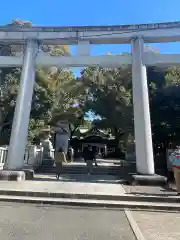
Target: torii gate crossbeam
157, 32
149, 59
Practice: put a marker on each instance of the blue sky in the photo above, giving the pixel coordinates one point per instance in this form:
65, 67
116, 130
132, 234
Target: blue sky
94, 12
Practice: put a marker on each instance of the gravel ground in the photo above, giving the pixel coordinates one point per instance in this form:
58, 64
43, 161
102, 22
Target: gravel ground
26, 221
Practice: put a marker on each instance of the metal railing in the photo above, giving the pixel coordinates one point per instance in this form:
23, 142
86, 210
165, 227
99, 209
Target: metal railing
3, 156
33, 156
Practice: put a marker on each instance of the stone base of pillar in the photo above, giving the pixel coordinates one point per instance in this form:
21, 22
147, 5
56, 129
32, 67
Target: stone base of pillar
11, 175
29, 174
151, 180
16, 175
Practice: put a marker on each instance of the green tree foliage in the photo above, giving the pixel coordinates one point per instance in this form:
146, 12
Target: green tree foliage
87, 124
109, 95
41, 104
57, 96
68, 99
9, 89
165, 109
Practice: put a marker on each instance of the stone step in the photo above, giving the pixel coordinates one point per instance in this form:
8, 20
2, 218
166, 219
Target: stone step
93, 203
73, 172
105, 197
85, 169
81, 169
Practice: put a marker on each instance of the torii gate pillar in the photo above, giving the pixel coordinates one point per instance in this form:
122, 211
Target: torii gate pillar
142, 122
19, 130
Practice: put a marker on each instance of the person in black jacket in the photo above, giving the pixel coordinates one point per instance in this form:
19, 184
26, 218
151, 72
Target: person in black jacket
94, 152
88, 158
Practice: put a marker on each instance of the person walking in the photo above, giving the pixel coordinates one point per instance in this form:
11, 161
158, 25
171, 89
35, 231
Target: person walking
175, 160
88, 158
60, 157
94, 152
71, 154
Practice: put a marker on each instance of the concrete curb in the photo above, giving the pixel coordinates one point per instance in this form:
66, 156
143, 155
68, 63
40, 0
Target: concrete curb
122, 197
134, 226
92, 203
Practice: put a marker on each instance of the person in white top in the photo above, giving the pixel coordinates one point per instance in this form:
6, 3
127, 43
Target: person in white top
47, 146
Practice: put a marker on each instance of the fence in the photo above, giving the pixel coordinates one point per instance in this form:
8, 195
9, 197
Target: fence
3, 156
33, 156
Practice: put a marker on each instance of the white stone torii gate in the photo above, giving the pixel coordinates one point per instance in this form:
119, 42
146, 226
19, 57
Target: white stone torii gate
83, 36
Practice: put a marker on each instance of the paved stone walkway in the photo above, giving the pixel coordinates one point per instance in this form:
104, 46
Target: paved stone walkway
158, 225
64, 187
150, 190
35, 222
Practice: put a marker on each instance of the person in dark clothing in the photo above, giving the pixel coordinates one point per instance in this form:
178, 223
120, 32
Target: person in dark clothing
94, 152
71, 154
60, 157
88, 158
